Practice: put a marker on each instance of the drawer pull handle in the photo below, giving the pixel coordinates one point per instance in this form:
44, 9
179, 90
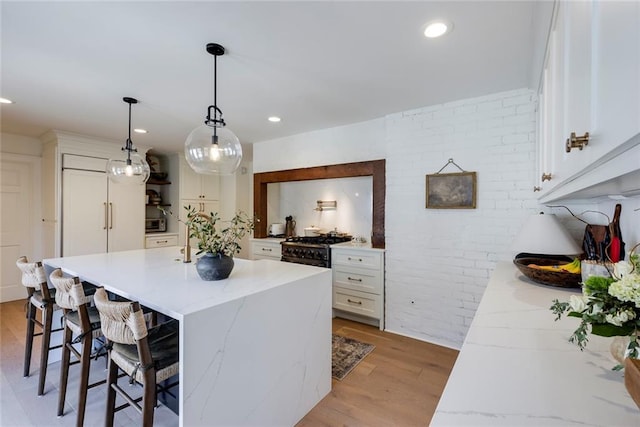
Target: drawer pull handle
161, 241
267, 249
354, 280
354, 302
355, 259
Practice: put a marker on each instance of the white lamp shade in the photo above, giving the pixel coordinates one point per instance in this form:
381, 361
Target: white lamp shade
205, 157
544, 234
121, 172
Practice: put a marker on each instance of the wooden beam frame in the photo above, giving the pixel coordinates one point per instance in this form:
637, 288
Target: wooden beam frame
374, 168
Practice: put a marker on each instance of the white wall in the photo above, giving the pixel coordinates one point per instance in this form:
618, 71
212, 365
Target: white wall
354, 143
19, 144
354, 197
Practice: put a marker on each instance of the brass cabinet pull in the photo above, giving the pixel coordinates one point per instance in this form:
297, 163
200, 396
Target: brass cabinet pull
577, 141
161, 241
354, 280
354, 302
546, 177
536, 188
355, 259
106, 214
267, 249
110, 216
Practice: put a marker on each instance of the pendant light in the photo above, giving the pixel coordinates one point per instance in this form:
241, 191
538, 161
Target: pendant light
211, 148
134, 169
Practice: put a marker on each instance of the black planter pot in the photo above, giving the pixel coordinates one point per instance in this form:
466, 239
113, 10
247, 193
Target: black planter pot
214, 266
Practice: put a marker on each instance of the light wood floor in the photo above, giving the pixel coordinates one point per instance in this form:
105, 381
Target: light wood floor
398, 384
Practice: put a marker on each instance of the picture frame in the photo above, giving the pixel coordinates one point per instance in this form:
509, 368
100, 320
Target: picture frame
451, 190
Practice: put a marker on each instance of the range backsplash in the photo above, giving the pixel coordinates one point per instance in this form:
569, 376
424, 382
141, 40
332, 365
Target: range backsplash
354, 197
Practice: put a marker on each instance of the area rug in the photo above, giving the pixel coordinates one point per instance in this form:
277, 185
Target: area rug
346, 353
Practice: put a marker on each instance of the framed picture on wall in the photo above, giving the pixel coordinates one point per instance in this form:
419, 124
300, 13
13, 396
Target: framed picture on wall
451, 191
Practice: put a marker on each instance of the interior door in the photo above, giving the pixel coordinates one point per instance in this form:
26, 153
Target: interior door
126, 208
16, 219
85, 211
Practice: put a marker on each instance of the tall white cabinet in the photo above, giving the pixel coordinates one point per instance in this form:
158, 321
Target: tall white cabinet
84, 213
97, 215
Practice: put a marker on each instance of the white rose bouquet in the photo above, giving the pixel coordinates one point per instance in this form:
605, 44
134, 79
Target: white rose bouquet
608, 306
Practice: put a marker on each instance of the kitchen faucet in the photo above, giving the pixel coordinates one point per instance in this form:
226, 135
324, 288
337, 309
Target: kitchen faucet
186, 250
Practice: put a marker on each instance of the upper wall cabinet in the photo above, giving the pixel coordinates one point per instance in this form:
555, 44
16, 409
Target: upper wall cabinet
195, 186
589, 97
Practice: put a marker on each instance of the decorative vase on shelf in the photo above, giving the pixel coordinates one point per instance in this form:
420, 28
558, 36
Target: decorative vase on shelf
214, 266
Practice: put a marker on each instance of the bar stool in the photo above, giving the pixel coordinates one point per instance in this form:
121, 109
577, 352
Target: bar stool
40, 297
148, 356
84, 321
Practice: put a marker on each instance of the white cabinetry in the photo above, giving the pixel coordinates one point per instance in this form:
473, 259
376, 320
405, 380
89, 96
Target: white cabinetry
590, 83
161, 240
195, 186
201, 192
89, 213
358, 283
266, 249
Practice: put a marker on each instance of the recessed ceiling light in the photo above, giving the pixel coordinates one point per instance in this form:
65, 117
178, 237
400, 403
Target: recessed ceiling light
274, 119
5, 101
437, 28
140, 130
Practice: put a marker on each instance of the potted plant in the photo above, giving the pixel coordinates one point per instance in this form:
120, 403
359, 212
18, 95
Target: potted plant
608, 307
217, 240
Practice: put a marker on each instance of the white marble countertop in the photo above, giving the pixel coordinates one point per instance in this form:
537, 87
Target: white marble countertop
158, 278
516, 367
352, 245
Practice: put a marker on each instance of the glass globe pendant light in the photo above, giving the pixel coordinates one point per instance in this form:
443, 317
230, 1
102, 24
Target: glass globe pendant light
211, 148
134, 169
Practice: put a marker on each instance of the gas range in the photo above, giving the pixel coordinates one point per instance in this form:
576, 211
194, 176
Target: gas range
310, 250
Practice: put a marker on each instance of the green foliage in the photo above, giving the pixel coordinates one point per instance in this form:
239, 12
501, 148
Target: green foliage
216, 236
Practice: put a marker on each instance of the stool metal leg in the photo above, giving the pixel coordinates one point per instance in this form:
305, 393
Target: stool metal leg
85, 362
64, 369
31, 314
47, 320
112, 378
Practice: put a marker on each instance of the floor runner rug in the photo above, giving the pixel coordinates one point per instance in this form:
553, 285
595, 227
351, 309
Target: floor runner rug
346, 353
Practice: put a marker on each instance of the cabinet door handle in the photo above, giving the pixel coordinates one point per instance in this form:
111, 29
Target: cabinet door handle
354, 280
267, 250
106, 214
354, 302
110, 216
355, 259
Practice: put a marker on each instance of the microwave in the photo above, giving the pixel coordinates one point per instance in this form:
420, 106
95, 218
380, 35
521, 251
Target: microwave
155, 225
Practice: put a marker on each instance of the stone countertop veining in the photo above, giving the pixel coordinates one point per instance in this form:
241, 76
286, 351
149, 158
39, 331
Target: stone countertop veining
160, 280
517, 368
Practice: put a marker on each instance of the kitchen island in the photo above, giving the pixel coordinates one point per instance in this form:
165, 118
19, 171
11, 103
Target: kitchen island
254, 348
516, 367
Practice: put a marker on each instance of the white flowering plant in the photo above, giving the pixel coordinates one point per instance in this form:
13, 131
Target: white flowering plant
608, 306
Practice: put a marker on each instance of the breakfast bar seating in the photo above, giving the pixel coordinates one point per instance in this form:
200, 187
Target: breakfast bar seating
83, 321
148, 356
40, 297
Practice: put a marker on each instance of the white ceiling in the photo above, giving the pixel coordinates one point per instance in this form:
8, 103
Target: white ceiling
67, 65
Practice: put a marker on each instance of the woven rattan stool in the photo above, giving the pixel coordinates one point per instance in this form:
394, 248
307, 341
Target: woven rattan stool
83, 321
148, 356
40, 297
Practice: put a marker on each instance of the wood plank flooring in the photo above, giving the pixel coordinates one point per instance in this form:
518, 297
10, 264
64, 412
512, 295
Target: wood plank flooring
398, 384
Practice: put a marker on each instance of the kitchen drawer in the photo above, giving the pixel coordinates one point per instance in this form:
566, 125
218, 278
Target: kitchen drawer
359, 279
161, 240
357, 258
266, 250
357, 302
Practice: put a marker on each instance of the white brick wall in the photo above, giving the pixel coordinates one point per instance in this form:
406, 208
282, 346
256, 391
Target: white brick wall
439, 261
